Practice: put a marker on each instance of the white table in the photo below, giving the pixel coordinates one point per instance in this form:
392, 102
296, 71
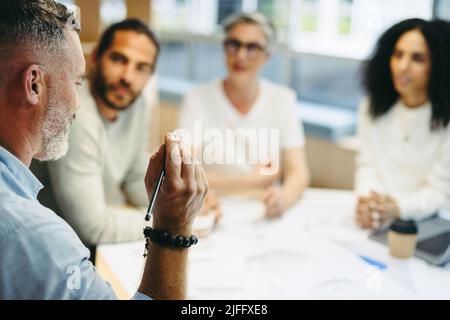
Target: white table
312, 252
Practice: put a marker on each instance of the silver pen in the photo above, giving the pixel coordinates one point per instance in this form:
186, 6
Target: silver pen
155, 194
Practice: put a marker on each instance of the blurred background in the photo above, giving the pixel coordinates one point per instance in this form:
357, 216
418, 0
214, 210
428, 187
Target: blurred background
321, 47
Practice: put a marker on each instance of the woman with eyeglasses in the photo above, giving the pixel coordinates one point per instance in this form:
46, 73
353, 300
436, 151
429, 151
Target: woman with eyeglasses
404, 161
251, 135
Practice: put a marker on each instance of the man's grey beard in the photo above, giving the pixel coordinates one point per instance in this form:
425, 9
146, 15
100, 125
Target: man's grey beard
55, 133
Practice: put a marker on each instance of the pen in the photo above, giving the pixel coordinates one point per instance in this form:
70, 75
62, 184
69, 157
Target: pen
373, 262
155, 194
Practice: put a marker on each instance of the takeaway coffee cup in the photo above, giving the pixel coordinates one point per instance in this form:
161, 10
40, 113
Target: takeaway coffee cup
402, 237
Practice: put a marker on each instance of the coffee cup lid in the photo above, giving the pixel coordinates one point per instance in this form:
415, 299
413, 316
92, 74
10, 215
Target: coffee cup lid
404, 226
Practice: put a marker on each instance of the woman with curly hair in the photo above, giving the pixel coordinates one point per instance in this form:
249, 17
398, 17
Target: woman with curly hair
403, 168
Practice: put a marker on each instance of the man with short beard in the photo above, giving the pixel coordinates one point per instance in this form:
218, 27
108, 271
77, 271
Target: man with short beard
41, 256
98, 184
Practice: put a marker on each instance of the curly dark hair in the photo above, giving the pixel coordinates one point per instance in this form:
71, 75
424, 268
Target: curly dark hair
377, 73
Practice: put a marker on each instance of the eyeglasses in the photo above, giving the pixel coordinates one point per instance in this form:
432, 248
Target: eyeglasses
252, 49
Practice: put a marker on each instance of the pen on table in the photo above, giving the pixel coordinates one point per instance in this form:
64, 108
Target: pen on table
155, 194
373, 262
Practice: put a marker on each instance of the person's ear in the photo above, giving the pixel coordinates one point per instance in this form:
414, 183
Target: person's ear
33, 84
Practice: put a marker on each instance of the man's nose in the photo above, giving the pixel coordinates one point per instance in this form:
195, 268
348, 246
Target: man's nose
128, 74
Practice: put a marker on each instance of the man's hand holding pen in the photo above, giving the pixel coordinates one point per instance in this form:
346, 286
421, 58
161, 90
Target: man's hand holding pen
182, 191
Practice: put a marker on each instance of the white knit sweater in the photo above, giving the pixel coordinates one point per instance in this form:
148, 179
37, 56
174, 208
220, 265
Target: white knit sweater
400, 156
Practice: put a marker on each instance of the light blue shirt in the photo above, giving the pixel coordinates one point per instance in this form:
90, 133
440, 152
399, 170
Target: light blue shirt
41, 257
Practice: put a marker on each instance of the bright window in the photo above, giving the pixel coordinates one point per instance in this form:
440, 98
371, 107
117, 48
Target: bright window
112, 11
442, 9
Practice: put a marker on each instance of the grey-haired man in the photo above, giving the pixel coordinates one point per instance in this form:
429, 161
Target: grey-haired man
42, 258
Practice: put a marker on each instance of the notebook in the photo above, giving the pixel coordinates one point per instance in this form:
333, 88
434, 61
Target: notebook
433, 239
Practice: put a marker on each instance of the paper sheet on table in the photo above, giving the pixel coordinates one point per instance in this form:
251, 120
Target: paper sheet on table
306, 268
126, 262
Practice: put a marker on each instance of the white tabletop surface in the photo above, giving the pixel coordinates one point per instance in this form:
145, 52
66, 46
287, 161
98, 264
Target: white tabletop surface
313, 252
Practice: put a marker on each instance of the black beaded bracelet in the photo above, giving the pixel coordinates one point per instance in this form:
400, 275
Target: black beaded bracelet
164, 238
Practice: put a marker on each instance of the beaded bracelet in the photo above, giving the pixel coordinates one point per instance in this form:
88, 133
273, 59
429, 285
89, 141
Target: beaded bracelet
164, 238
